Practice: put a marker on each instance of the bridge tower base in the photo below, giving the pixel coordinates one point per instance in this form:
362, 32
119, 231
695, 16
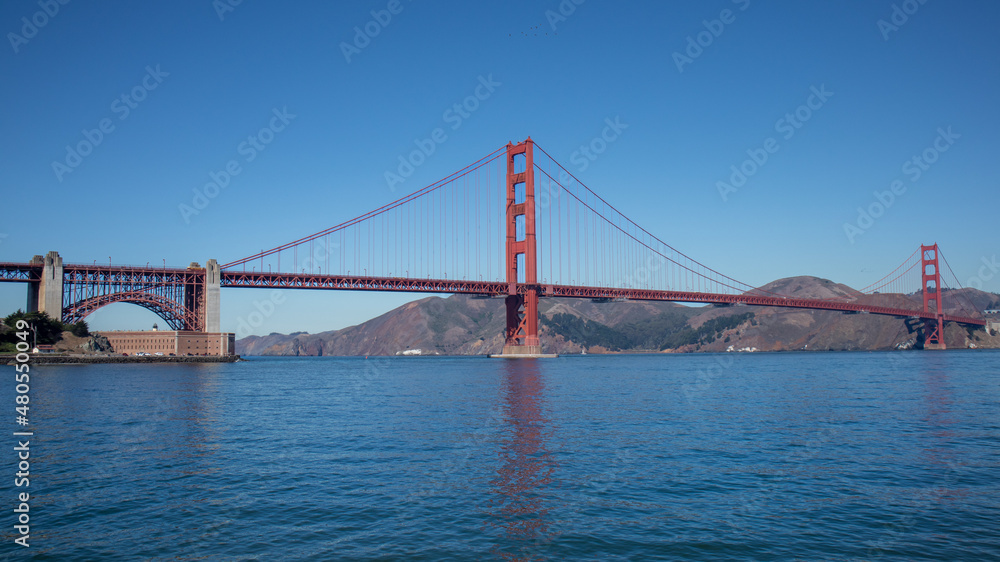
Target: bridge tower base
934, 334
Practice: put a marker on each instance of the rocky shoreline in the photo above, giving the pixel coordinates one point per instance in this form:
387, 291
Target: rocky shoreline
94, 359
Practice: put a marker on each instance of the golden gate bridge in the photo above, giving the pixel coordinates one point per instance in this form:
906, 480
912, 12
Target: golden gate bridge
514, 224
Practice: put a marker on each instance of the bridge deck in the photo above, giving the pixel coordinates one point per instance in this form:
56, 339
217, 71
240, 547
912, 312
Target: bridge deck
20, 272
27, 272
498, 289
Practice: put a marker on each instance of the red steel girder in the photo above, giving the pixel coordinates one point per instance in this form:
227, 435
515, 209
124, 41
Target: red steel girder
20, 272
359, 283
755, 300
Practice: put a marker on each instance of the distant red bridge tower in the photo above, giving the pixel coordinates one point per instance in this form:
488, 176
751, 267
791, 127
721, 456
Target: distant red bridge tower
931, 287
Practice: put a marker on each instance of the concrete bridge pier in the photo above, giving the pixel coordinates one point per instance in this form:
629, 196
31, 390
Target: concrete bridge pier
50, 290
213, 284
46, 295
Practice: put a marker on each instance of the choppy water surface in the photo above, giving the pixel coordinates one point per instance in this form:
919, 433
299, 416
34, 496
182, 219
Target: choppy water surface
819, 456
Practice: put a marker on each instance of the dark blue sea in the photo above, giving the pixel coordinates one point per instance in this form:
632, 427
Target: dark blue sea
789, 456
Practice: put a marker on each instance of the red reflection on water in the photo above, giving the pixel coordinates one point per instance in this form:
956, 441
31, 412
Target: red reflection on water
518, 490
940, 455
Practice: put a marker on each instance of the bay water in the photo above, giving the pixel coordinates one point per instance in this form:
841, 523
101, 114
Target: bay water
762, 456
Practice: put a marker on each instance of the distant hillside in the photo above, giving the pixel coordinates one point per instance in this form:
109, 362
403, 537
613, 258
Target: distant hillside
457, 325
781, 329
465, 325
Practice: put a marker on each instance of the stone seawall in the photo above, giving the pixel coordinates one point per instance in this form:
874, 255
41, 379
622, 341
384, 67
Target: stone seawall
87, 359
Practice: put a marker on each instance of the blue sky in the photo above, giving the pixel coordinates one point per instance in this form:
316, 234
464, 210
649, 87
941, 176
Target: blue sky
207, 82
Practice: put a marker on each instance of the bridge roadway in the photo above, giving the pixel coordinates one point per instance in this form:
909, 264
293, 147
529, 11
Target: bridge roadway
140, 276
500, 289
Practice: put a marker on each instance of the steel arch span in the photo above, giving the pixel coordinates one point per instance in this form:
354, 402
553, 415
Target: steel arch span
174, 314
175, 295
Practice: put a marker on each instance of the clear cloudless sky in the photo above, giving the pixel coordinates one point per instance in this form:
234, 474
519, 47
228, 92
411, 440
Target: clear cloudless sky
220, 78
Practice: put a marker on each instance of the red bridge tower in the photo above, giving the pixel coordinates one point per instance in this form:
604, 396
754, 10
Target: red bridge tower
522, 261
931, 287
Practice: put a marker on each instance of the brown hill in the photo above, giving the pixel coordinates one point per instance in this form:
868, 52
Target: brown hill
456, 325
464, 325
782, 329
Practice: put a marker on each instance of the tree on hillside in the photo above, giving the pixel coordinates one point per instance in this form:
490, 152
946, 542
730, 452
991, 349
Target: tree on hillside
80, 329
47, 330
